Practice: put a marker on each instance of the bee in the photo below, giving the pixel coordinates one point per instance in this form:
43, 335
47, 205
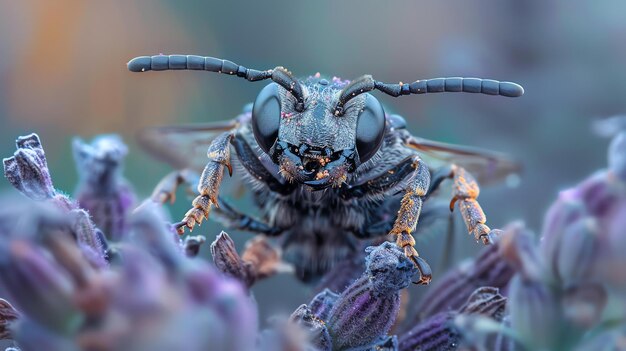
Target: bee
327, 166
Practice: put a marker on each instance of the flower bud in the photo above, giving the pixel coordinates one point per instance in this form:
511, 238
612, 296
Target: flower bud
227, 260
148, 230
310, 331
366, 310
102, 190
485, 301
436, 333
89, 240
517, 246
28, 171
535, 313
322, 303
445, 330
454, 288
8, 315
38, 286
576, 256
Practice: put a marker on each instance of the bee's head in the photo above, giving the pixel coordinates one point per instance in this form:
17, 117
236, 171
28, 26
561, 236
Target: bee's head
310, 141
318, 131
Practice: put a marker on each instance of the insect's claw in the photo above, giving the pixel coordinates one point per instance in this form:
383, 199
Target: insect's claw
453, 202
230, 169
424, 270
180, 227
210, 180
491, 237
406, 241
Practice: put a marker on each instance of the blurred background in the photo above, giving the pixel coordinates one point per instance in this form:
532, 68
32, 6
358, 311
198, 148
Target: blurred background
63, 74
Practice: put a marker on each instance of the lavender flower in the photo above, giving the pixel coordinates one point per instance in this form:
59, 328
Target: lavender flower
259, 260
39, 287
322, 303
366, 310
453, 289
441, 331
359, 318
145, 292
27, 170
8, 315
153, 298
102, 190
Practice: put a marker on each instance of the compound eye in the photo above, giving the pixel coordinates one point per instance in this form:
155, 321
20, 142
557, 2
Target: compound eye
370, 128
266, 117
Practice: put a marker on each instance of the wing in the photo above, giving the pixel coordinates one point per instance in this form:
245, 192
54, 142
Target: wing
486, 166
183, 146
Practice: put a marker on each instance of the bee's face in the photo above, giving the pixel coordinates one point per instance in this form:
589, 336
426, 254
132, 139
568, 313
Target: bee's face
316, 147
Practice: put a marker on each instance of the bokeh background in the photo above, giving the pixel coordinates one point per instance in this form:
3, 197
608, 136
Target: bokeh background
63, 74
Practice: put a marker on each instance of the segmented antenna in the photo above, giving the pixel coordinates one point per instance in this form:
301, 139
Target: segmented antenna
204, 63
438, 85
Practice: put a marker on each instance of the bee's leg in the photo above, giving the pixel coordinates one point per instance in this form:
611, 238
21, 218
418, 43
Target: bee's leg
166, 189
466, 191
237, 220
408, 216
209, 184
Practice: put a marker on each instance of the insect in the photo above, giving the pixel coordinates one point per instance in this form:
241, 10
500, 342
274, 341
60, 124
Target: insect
326, 164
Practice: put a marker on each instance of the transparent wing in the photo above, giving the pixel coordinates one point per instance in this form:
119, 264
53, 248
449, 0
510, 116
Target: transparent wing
183, 146
486, 166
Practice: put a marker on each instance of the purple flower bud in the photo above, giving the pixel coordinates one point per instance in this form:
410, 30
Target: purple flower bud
308, 331
576, 255
227, 260
453, 289
322, 303
88, 238
259, 260
28, 171
237, 312
8, 315
562, 213
517, 246
485, 301
102, 189
437, 333
148, 230
366, 310
535, 314
38, 286
441, 332
583, 239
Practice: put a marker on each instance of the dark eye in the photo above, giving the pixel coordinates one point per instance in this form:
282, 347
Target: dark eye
370, 128
266, 117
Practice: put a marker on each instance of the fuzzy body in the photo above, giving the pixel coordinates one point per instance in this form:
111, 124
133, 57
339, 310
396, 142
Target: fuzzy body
318, 228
